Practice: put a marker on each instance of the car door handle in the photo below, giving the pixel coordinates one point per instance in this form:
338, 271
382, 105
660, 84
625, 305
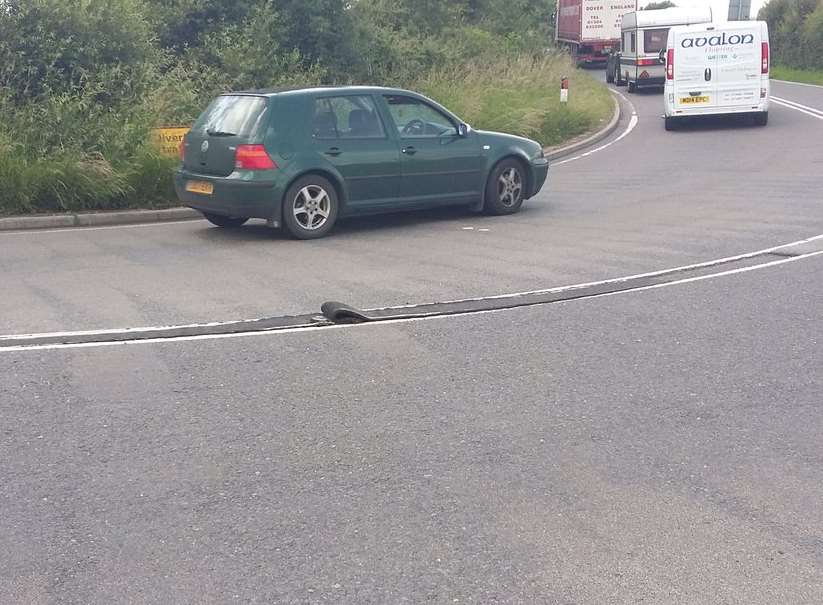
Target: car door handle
409, 150
708, 74
334, 152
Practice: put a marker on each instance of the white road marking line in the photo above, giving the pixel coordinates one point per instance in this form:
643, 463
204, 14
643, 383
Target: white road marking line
798, 83
632, 123
468, 228
122, 331
687, 280
393, 321
796, 104
617, 280
105, 228
809, 111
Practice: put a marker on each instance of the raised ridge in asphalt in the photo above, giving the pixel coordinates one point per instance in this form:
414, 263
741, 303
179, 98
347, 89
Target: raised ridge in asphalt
335, 313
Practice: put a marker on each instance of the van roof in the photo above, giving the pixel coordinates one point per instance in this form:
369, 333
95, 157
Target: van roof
667, 17
721, 27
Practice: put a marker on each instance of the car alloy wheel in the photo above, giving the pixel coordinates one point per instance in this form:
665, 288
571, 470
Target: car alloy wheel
510, 187
312, 207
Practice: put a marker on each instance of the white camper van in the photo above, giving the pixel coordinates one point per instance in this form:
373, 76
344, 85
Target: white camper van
644, 35
720, 69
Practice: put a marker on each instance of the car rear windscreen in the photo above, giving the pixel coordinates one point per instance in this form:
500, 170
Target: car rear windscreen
654, 40
232, 115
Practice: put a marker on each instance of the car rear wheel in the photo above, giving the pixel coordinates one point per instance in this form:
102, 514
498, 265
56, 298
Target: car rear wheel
227, 222
506, 188
311, 207
761, 119
671, 124
631, 86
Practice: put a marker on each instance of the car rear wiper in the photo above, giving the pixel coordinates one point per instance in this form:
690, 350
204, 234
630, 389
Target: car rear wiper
220, 133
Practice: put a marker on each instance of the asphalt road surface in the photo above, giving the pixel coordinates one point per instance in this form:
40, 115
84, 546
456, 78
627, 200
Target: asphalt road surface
657, 446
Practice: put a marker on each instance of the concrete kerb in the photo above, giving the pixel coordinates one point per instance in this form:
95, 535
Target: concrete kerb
128, 217
97, 219
554, 153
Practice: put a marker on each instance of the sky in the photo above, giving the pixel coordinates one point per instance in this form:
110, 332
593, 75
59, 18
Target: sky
720, 8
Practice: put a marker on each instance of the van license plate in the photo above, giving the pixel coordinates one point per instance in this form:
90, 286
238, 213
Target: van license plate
200, 187
693, 100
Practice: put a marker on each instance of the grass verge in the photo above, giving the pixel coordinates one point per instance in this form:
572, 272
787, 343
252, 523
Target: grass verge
807, 76
522, 96
517, 95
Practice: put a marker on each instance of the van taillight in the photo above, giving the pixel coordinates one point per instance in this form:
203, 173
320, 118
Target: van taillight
253, 157
764, 58
670, 64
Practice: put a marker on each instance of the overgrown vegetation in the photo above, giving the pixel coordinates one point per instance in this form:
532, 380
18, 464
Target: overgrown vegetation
83, 81
795, 32
809, 76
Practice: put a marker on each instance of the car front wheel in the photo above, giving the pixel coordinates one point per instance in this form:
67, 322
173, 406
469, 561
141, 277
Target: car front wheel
310, 207
506, 188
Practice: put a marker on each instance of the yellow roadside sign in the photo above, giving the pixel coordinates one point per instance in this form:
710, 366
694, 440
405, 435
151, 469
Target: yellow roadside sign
168, 140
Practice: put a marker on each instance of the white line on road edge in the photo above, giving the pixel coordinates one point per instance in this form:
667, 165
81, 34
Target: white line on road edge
798, 83
687, 280
555, 290
809, 111
629, 128
796, 104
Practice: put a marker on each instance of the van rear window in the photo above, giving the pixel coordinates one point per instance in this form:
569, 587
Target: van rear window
228, 115
654, 40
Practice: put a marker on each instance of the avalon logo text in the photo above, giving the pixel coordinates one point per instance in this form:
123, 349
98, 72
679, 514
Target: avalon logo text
719, 40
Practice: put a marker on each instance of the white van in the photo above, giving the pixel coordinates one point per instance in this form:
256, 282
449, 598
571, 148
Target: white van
643, 36
720, 69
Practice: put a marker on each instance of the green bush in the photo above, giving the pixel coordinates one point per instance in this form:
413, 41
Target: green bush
795, 32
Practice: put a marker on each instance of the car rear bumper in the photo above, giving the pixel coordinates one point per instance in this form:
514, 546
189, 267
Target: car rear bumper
715, 110
232, 196
539, 174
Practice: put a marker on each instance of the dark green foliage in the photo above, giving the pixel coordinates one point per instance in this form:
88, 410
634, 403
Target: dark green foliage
796, 32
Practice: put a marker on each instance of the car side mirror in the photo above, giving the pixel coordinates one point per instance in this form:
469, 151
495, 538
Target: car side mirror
463, 130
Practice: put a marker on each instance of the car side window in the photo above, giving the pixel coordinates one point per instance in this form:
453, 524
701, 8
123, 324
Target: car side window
633, 42
350, 117
414, 118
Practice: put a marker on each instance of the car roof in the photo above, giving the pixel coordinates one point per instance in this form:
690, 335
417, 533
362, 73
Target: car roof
316, 90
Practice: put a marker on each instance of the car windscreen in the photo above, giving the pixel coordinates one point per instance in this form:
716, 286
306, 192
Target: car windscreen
232, 115
654, 40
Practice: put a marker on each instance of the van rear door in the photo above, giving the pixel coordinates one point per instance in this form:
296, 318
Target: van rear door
738, 67
695, 70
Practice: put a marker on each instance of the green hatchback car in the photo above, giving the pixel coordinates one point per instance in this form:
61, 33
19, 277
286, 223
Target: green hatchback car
303, 158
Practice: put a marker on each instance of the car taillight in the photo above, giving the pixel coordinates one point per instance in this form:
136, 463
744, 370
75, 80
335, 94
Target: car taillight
764, 58
670, 64
253, 157
647, 62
